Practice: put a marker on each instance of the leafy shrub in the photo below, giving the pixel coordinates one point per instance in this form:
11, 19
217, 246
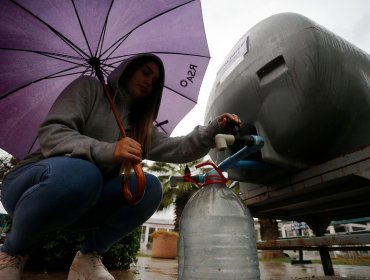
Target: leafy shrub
57, 251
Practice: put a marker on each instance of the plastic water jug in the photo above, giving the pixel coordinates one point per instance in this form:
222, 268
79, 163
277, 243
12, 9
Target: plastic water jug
217, 237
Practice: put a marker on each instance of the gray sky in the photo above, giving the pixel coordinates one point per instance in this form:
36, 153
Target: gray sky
227, 20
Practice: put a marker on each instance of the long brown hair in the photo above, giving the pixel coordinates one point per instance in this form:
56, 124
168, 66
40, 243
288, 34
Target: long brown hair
144, 111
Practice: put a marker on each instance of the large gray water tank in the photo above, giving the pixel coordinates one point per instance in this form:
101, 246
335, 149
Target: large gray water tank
301, 87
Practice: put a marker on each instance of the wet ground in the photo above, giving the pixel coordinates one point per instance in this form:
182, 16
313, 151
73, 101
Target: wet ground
148, 268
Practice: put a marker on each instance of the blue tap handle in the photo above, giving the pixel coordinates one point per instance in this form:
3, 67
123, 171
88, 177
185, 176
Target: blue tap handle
235, 160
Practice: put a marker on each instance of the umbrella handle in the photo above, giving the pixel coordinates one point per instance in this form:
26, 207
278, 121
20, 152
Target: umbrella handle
140, 186
140, 177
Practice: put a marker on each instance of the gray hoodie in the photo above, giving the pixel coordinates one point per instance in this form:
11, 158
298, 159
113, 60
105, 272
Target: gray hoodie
81, 124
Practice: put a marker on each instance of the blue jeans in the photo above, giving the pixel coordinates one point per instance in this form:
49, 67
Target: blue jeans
63, 192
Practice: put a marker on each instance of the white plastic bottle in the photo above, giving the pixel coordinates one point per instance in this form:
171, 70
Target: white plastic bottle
217, 237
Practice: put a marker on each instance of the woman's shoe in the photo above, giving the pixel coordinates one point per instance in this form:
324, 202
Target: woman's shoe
11, 267
88, 267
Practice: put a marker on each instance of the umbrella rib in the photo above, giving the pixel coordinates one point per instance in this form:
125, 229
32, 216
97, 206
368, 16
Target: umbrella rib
182, 53
101, 39
118, 45
102, 34
74, 47
111, 65
57, 56
33, 144
160, 126
61, 56
178, 93
106, 72
159, 52
185, 54
124, 37
82, 29
64, 75
55, 75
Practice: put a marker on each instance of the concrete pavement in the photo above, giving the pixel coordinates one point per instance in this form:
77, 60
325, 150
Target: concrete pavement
148, 268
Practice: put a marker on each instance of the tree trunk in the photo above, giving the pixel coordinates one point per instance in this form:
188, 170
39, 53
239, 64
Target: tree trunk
270, 231
180, 202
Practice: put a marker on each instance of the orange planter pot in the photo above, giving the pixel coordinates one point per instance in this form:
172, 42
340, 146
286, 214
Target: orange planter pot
165, 245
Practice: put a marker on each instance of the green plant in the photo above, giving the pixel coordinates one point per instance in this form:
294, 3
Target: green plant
6, 162
124, 252
5, 221
180, 195
57, 250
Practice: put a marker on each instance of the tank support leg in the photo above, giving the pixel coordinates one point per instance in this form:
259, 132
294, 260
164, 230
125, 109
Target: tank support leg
319, 228
326, 261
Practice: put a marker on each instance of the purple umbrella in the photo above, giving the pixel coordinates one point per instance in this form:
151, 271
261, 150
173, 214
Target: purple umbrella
44, 45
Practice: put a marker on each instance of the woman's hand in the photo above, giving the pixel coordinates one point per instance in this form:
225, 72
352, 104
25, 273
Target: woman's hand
128, 149
226, 117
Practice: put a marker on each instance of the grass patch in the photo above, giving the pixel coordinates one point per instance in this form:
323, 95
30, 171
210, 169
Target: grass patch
142, 254
352, 261
365, 261
276, 260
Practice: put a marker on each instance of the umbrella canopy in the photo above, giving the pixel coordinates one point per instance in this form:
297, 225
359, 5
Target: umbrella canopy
44, 45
